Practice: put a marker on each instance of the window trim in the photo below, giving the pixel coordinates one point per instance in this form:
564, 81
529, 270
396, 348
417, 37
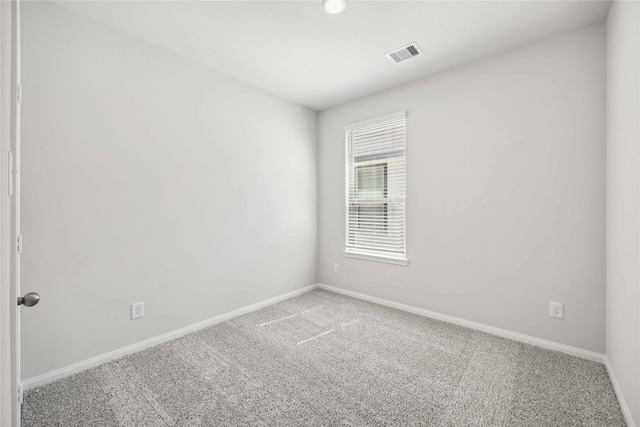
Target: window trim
377, 256
372, 255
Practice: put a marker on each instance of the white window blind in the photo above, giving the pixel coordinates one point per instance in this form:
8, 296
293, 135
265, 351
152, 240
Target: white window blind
376, 188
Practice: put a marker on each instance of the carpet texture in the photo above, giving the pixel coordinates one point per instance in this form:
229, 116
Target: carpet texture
323, 359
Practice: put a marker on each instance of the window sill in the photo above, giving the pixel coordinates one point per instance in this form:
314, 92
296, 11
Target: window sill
399, 260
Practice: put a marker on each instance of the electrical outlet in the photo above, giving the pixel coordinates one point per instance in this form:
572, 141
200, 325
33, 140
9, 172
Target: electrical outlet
336, 268
556, 309
137, 310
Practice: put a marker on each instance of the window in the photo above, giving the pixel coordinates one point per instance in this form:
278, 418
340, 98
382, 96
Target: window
375, 189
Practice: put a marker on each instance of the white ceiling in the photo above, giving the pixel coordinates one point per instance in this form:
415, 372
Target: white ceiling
296, 50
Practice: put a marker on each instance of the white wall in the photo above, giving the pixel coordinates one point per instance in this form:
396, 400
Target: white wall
147, 177
623, 199
505, 191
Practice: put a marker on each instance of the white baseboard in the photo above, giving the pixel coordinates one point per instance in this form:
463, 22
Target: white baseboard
106, 357
616, 387
103, 358
539, 342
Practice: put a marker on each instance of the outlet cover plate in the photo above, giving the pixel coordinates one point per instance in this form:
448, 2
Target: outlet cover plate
137, 310
556, 309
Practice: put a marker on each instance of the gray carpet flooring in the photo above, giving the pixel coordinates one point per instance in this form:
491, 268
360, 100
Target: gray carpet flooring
323, 359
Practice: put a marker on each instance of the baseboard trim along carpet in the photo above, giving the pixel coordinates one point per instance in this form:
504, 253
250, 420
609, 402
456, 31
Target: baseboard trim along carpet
326, 359
616, 388
539, 342
106, 357
551, 345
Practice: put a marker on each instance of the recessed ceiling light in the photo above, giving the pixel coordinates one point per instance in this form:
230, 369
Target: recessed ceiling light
334, 6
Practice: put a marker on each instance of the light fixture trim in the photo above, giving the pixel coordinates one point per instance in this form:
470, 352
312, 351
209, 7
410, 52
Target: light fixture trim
334, 6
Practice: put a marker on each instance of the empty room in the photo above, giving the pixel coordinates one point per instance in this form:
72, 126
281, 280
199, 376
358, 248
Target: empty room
320, 213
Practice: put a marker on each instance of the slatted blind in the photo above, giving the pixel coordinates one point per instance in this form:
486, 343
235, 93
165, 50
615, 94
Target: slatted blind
376, 187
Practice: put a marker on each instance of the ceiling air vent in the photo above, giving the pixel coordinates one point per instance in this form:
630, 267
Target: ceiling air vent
405, 53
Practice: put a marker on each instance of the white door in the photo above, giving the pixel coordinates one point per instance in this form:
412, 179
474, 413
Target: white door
14, 192
14, 185
9, 329
30, 299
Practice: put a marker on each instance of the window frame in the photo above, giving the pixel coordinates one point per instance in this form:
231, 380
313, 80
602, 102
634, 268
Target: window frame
360, 253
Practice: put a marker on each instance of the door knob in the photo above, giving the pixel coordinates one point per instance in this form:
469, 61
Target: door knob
29, 300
